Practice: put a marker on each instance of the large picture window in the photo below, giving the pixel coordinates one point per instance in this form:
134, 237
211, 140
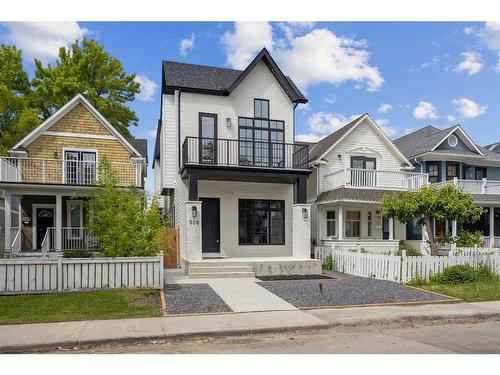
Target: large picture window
261, 222
261, 139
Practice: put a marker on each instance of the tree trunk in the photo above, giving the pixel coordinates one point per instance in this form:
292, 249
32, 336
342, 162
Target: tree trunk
430, 234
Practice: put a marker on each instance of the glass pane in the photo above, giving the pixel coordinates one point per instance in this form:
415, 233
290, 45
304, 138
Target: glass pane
330, 215
330, 228
357, 163
370, 164
265, 108
277, 227
74, 215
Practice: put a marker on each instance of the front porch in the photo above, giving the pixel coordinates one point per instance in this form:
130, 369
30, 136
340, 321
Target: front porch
44, 225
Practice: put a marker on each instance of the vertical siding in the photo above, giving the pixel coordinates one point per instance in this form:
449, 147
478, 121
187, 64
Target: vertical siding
168, 146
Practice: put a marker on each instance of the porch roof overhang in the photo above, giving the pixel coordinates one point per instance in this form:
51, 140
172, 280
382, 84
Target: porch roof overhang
23, 188
491, 199
244, 174
360, 195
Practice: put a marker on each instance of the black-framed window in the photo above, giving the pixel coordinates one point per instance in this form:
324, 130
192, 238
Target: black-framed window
261, 222
452, 171
80, 167
433, 171
362, 162
413, 230
330, 223
480, 173
261, 139
261, 108
369, 223
207, 130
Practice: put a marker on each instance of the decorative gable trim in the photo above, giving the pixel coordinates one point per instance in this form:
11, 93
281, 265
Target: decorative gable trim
463, 136
78, 99
379, 131
364, 150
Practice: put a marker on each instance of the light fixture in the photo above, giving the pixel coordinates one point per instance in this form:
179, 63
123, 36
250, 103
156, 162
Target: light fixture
228, 122
305, 213
194, 212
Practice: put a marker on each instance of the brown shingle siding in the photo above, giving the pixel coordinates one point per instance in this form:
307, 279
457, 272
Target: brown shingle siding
79, 120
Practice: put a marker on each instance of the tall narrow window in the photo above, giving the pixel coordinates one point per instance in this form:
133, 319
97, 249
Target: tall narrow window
353, 224
74, 219
261, 108
480, 173
330, 223
452, 170
433, 171
369, 223
208, 138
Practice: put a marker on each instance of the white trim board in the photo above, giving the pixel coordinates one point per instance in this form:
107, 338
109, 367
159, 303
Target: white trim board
79, 135
78, 99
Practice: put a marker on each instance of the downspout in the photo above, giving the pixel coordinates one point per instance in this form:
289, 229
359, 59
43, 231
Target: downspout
179, 126
293, 125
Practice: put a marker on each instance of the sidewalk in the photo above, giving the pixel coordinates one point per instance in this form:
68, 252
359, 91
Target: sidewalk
26, 336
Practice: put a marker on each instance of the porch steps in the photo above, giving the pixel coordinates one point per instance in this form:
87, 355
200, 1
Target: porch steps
207, 271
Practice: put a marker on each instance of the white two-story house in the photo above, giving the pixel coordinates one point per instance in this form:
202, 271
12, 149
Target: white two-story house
352, 169
229, 171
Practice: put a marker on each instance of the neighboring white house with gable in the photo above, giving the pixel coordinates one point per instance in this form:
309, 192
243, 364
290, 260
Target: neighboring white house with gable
228, 169
352, 169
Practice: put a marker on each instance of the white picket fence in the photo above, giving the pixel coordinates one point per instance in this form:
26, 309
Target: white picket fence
18, 276
403, 268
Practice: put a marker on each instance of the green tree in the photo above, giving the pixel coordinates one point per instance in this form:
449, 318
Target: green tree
17, 118
86, 68
121, 220
432, 202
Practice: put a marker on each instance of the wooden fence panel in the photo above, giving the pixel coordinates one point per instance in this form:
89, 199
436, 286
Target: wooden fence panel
66, 274
169, 244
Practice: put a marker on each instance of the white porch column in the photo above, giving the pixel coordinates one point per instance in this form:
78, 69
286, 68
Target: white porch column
341, 223
454, 228
58, 222
7, 212
492, 227
301, 231
193, 231
391, 229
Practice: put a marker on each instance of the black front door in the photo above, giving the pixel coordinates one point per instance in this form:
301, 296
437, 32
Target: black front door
210, 225
44, 220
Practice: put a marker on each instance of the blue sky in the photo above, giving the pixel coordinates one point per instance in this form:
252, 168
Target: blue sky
405, 75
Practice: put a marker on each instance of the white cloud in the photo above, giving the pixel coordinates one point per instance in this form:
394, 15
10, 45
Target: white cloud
490, 35
468, 30
43, 39
468, 108
471, 63
148, 88
304, 107
388, 130
330, 99
384, 108
325, 123
247, 39
425, 65
425, 110
451, 118
290, 29
311, 137
328, 58
186, 44
497, 67
152, 134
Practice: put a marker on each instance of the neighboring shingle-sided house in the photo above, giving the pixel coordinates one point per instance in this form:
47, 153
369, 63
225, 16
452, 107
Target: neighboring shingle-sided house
352, 170
229, 170
451, 156
48, 166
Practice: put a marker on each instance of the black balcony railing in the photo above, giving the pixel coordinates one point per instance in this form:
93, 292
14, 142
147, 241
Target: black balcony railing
241, 153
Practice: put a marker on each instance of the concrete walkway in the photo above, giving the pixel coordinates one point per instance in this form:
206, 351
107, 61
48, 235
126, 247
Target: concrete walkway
26, 336
240, 294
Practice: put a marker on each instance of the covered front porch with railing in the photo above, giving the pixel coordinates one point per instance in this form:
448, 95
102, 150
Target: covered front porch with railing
41, 225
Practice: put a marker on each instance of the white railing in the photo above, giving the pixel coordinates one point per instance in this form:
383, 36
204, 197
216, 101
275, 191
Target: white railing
369, 246
46, 242
403, 268
483, 186
375, 178
72, 238
68, 172
491, 242
15, 240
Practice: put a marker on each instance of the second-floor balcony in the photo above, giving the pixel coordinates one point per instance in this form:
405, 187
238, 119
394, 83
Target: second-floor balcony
64, 172
483, 186
375, 178
242, 153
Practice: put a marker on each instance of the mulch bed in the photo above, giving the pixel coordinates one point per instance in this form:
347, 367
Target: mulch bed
344, 289
193, 299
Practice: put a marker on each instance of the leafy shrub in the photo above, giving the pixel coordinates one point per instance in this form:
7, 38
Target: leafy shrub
417, 280
410, 251
328, 263
484, 273
469, 239
77, 254
457, 274
445, 238
363, 251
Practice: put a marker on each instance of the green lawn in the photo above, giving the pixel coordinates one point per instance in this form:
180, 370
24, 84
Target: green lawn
471, 292
55, 307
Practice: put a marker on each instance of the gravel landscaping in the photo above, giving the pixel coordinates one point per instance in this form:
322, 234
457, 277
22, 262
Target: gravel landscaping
193, 299
344, 290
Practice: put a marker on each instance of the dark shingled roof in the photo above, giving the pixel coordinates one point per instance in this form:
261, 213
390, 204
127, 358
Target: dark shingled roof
350, 194
420, 141
141, 145
495, 147
221, 81
324, 144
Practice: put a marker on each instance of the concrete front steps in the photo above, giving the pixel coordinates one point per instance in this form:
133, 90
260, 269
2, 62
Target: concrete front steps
220, 270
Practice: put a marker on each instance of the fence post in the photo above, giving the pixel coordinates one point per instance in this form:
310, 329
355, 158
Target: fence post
59, 273
403, 267
161, 269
